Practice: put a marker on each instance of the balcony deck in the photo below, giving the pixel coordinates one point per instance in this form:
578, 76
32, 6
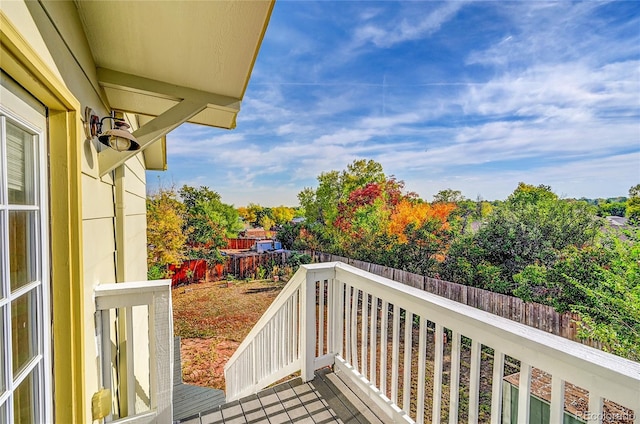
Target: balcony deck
420, 357
325, 399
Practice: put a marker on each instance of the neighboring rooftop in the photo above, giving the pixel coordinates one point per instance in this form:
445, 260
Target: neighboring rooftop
617, 221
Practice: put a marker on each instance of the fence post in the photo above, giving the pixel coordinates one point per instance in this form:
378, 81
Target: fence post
308, 327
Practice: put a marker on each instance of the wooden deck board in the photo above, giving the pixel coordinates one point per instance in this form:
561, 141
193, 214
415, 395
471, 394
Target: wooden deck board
190, 400
351, 397
317, 402
211, 417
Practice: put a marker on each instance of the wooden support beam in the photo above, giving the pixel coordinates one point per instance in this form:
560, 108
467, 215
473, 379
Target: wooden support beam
136, 84
110, 159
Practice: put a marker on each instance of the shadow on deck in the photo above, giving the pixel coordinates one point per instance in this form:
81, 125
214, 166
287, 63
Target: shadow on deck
326, 399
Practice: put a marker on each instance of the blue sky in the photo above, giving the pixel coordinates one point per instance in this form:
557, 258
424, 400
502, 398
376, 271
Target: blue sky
472, 96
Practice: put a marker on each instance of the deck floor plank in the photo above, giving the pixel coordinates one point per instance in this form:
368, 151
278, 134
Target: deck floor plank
253, 411
211, 417
319, 401
351, 397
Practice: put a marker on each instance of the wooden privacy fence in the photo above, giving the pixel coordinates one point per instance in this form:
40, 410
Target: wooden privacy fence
244, 265
241, 243
542, 317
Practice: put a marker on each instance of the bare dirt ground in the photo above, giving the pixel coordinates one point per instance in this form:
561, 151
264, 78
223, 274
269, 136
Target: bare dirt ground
213, 318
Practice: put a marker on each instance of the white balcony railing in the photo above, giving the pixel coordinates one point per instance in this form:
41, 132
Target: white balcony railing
420, 357
135, 332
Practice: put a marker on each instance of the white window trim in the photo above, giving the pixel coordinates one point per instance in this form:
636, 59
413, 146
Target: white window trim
43, 301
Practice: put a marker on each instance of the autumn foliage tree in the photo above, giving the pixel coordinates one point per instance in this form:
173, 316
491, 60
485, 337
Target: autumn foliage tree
166, 237
363, 214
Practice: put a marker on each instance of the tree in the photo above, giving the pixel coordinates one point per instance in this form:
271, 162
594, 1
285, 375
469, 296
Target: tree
448, 196
282, 214
633, 205
289, 236
612, 208
266, 222
531, 228
165, 236
320, 205
601, 282
208, 223
254, 213
526, 194
246, 214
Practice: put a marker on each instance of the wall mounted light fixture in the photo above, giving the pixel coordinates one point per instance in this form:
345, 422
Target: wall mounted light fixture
117, 138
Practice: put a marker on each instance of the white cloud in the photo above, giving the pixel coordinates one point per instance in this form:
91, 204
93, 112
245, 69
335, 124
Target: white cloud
188, 143
413, 26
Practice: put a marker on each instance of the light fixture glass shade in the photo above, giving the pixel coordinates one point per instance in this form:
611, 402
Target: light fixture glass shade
119, 140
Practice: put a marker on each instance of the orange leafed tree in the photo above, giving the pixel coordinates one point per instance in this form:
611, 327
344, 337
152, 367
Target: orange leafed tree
410, 212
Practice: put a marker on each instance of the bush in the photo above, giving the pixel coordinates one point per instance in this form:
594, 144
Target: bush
156, 272
296, 259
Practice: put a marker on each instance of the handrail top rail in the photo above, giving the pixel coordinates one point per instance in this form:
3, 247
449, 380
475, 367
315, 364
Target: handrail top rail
133, 287
613, 377
480, 318
520, 336
130, 294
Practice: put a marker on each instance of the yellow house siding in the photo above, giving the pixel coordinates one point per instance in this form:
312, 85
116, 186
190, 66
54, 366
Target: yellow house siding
24, 58
18, 13
44, 49
59, 25
101, 204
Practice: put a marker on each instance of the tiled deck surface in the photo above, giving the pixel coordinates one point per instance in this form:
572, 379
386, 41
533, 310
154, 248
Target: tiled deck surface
326, 399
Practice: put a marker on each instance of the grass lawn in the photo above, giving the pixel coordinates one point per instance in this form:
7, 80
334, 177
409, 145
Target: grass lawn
212, 320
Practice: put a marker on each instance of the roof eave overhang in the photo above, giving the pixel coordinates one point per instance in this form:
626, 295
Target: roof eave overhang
163, 99
186, 104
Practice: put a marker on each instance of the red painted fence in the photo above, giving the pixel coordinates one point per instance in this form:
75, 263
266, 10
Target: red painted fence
240, 243
188, 272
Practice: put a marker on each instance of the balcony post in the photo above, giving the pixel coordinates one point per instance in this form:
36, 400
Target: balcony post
308, 327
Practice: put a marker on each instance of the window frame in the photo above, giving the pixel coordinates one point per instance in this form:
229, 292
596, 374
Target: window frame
39, 365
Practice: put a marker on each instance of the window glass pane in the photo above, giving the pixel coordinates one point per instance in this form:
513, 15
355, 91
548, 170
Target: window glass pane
22, 248
3, 413
23, 330
3, 274
3, 347
20, 166
25, 400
